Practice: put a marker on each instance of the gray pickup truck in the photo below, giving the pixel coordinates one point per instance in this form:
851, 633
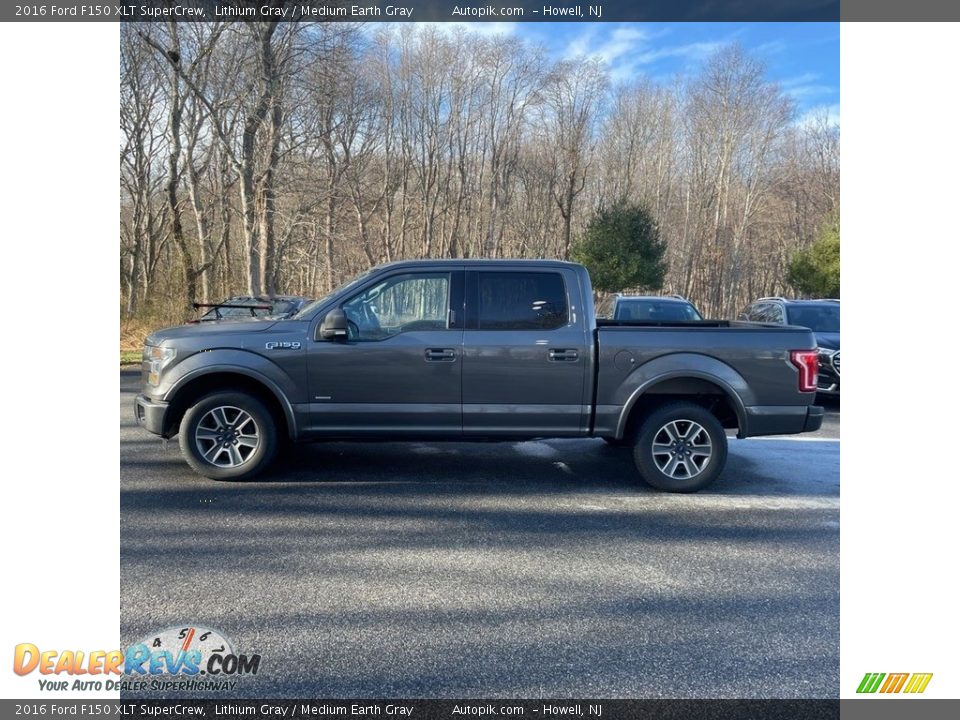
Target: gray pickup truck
486, 350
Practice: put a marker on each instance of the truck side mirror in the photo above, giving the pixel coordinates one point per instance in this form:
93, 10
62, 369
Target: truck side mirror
333, 326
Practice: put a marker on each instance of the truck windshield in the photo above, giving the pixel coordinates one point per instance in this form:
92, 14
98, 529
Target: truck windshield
307, 310
819, 318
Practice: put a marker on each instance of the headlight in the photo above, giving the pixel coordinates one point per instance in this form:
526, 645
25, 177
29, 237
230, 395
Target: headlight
158, 357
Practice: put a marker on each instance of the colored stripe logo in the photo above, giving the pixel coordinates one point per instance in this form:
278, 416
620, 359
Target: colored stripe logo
918, 683
894, 683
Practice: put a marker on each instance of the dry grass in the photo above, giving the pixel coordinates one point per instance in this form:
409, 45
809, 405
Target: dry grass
130, 357
134, 331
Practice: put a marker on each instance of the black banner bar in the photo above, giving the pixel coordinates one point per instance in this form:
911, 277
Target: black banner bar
435, 709
427, 10
483, 11
859, 709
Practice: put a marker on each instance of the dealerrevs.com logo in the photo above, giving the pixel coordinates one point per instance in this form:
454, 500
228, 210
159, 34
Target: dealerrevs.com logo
175, 659
910, 683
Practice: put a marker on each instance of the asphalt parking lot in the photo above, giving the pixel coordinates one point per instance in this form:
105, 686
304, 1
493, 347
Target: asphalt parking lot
538, 569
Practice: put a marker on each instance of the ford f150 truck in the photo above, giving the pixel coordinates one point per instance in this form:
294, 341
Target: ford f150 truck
476, 350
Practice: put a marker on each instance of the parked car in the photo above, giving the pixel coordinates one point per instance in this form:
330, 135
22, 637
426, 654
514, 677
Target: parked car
654, 308
820, 316
245, 306
476, 350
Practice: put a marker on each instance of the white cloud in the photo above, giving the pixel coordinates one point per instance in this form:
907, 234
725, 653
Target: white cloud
450, 29
805, 86
817, 115
806, 91
580, 45
804, 79
622, 41
478, 28
771, 47
688, 51
627, 49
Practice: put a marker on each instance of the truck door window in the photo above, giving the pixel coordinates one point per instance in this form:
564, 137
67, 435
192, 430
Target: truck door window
521, 301
401, 303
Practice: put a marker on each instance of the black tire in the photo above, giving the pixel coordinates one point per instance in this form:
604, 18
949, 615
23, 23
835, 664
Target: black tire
235, 458
692, 470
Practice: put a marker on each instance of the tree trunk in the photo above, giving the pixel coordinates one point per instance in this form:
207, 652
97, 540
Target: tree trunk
174, 118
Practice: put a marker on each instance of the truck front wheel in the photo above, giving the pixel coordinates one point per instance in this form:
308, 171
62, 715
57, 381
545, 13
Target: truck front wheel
681, 447
228, 436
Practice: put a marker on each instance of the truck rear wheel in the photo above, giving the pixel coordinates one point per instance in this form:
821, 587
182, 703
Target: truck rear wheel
228, 436
681, 447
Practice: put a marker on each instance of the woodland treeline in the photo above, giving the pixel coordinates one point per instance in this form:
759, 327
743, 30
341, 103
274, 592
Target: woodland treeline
287, 157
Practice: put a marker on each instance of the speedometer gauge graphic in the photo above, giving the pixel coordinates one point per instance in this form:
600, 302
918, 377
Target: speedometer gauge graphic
176, 640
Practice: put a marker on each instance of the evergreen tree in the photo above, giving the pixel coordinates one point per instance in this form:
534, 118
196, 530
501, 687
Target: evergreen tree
622, 249
816, 271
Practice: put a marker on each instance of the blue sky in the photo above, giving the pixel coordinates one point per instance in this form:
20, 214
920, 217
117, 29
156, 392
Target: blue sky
803, 57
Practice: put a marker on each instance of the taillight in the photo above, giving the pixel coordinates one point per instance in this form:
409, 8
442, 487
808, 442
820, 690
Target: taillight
807, 362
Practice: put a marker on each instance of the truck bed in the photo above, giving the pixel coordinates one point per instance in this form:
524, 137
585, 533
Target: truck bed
610, 323
710, 358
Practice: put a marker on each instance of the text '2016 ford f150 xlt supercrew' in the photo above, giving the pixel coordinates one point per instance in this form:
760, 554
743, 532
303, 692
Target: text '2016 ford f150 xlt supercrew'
476, 350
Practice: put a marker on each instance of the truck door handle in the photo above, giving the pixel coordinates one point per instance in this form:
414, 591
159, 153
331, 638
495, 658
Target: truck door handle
563, 355
439, 355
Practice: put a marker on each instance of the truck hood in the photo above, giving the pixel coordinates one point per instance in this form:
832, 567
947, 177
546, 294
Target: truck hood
829, 341
208, 329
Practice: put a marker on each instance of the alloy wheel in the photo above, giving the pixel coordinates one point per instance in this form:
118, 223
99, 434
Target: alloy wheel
227, 436
682, 449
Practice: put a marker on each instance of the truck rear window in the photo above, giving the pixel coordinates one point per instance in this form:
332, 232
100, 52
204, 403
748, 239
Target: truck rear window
655, 311
521, 301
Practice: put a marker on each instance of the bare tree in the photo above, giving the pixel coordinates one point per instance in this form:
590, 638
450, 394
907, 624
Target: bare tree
142, 218
574, 96
264, 157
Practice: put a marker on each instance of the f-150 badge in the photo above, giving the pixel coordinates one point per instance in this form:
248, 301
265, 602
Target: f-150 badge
283, 345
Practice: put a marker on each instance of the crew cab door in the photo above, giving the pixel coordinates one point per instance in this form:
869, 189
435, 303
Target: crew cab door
525, 353
399, 369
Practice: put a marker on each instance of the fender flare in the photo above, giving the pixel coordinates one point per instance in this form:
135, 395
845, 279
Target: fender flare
686, 365
269, 384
